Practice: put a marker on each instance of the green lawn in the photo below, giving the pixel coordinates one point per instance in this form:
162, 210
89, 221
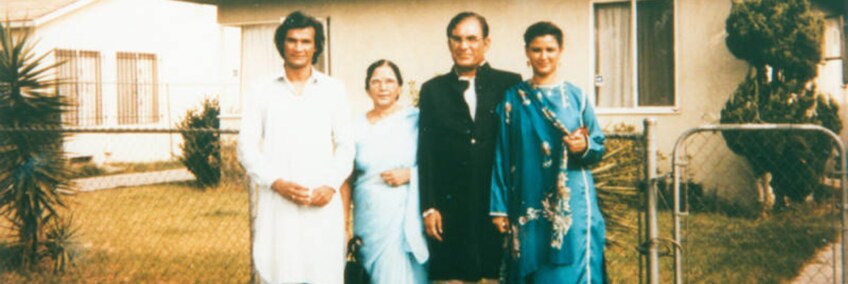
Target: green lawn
178, 234
157, 234
721, 248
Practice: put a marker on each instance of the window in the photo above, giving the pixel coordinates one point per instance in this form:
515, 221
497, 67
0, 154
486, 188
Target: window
614, 60
844, 21
138, 92
833, 50
80, 82
830, 78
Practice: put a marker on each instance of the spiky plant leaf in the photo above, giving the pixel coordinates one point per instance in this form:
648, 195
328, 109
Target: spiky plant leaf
32, 163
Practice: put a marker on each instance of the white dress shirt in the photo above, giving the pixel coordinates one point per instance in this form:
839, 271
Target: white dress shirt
470, 96
305, 139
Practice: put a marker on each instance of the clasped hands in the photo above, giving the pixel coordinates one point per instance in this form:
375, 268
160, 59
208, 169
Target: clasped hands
301, 195
322, 195
396, 177
577, 141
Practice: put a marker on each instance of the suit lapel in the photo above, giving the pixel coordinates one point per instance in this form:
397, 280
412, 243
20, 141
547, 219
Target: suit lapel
484, 82
455, 90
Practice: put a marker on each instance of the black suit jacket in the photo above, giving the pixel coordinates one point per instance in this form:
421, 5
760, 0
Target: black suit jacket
455, 156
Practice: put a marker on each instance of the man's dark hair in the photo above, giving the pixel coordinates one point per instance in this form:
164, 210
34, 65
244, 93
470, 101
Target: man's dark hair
377, 64
465, 15
299, 20
542, 29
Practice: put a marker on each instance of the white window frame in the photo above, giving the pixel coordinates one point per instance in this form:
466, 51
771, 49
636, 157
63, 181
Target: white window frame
77, 115
675, 109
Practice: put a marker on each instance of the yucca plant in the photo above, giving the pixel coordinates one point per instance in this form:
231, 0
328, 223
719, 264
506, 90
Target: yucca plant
32, 163
61, 238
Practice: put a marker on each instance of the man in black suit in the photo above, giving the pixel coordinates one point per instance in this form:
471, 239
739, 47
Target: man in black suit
456, 149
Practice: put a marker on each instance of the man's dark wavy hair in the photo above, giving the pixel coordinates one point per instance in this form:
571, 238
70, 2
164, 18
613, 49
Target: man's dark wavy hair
299, 20
465, 15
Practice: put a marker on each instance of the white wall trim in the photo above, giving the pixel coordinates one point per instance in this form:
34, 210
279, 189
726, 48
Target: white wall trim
62, 11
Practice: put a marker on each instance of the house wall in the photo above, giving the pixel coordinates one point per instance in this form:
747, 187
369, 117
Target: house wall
196, 58
412, 33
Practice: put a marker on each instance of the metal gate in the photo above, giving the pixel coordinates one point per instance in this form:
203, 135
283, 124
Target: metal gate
752, 203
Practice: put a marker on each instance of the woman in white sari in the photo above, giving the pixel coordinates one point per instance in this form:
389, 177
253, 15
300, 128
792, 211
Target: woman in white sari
385, 183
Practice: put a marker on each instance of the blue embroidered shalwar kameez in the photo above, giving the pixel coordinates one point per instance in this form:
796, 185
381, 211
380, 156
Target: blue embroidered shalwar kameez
557, 228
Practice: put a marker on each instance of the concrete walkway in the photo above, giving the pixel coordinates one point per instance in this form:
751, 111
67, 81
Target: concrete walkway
134, 179
820, 269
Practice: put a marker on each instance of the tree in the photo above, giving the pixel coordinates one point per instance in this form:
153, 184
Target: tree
32, 163
781, 41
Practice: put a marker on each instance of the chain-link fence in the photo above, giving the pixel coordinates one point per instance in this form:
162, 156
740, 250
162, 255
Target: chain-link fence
619, 180
137, 214
754, 204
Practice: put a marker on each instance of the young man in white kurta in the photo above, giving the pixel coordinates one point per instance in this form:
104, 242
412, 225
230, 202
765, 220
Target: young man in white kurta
305, 139
297, 136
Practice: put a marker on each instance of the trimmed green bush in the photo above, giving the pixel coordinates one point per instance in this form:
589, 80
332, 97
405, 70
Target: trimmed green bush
781, 41
202, 148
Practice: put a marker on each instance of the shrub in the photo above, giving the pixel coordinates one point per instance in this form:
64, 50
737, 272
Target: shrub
232, 174
202, 143
781, 41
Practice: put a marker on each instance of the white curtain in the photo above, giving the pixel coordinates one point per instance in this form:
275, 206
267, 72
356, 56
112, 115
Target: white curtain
81, 85
148, 101
138, 92
613, 38
259, 57
89, 108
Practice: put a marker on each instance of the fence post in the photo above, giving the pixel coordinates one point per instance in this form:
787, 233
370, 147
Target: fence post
843, 171
650, 176
251, 212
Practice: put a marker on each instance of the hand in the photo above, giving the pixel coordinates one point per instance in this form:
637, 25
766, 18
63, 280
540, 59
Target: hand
321, 196
396, 177
433, 225
576, 141
501, 223
292, 191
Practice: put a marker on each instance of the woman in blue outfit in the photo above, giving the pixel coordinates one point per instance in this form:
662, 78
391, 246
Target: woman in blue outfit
385, 183
542, 191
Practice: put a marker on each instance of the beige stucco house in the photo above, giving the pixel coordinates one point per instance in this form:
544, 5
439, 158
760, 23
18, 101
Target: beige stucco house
131, 64
682, 75
664, 59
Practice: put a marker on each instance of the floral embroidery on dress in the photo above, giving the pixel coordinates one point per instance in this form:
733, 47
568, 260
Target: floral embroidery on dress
507, 111
555, 205
523, 96
546, 150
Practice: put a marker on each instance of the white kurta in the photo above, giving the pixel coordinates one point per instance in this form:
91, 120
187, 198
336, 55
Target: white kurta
306, 139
